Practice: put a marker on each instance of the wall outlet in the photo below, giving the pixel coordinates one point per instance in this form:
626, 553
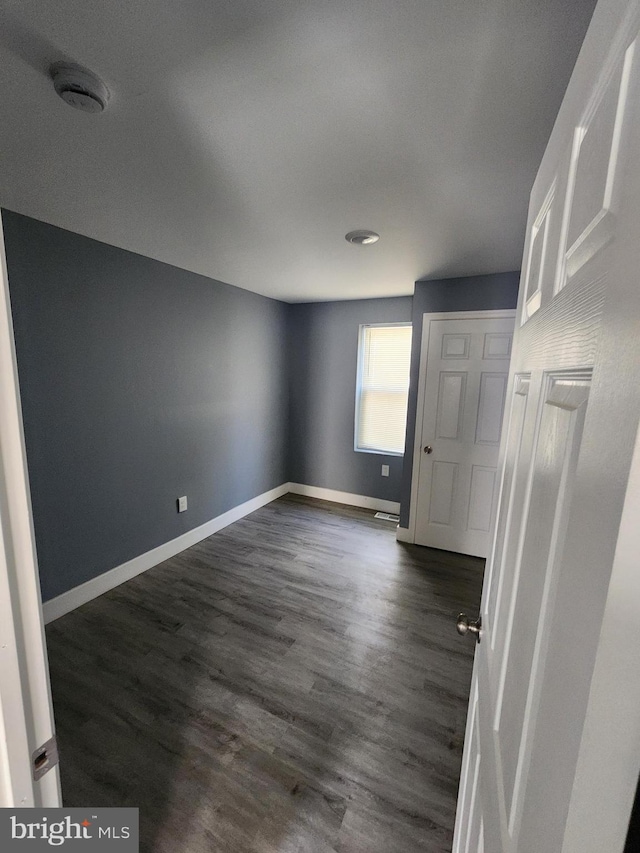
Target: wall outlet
182, 504
385, 470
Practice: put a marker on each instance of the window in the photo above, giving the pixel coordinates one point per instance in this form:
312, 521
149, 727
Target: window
384, 354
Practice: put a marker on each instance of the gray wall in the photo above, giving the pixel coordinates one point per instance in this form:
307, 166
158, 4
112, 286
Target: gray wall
473, 293
323, 347
140, 382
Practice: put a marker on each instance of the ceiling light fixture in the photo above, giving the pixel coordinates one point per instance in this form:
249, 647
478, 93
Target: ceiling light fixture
79, 88
362, 238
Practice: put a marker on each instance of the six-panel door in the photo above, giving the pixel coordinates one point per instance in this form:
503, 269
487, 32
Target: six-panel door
464, 392
567, 424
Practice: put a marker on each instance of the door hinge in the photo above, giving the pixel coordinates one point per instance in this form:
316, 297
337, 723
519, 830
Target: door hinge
44, 758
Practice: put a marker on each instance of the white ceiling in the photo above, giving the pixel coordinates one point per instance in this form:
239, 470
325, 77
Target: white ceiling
244, 138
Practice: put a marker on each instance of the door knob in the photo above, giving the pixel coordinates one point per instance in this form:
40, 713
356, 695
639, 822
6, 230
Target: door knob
428, 449
465, 625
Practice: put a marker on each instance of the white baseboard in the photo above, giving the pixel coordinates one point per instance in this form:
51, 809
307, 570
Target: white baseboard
79, 595
344, 498
85, 592
403, 534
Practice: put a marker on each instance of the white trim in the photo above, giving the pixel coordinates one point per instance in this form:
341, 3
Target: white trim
497, 314
79, 595
403, 534
68, 601
26, 714
345, 498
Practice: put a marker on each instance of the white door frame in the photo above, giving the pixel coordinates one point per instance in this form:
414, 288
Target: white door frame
26, 717
494, 314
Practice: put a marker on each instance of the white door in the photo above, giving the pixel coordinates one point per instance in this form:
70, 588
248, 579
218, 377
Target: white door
552, 750
465, 367
28, 761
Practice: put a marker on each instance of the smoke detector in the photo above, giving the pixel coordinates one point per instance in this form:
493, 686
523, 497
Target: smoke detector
79, 88
362, 238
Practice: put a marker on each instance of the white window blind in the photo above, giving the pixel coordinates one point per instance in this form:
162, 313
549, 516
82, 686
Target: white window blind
383, 387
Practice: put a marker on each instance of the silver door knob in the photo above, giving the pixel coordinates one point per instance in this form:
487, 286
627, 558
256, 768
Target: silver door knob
465, 625
428, 449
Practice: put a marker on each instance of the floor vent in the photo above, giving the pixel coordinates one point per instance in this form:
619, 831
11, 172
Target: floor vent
387, 516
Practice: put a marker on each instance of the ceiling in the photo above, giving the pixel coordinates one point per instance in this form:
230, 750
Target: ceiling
244, 138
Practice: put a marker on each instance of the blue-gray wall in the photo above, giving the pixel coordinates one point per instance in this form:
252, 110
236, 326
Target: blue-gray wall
472, 293
323, 346
140, 382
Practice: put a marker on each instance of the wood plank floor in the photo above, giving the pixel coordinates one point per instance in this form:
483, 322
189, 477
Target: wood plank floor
293, 684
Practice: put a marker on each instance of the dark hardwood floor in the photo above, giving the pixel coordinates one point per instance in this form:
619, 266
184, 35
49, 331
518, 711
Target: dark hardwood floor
293, 684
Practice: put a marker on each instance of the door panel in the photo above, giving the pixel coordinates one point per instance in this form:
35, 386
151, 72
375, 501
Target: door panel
593, 186
455, 346
481, 498
538, 257
497, 346
548, 502
498, 579
451, 396
493, 387
443, 492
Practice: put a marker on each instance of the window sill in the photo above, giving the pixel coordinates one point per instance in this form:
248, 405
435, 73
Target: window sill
378, 452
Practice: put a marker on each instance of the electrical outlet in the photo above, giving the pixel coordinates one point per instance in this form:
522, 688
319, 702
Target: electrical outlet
385, 470
182, 504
